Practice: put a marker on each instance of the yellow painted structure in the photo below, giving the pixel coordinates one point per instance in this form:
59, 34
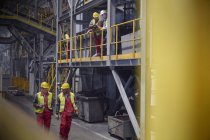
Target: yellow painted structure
29, 22
177, 70
80, 45
21, 83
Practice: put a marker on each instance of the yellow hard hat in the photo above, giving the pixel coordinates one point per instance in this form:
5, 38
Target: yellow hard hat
44, 85
95, 15
65, 86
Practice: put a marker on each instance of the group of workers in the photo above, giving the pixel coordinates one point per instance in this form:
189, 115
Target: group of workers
97, 25
65, 108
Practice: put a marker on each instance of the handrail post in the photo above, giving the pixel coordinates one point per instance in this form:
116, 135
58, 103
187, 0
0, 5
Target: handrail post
90, 45
102, 42
80, 48
60, 50
74, 50
134, 26
116, 42
66, 48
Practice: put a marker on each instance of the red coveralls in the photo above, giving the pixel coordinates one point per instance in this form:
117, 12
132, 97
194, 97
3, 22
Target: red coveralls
97, 39
66, 118
44, 119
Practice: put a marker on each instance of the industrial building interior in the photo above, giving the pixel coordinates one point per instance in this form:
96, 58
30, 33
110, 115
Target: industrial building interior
35, 49
144, 83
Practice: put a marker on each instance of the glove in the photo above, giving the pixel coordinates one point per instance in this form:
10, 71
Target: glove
76, 112
57, 116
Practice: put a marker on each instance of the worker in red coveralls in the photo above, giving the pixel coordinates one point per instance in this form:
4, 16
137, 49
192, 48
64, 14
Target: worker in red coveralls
95, 28
66, 107
43, 106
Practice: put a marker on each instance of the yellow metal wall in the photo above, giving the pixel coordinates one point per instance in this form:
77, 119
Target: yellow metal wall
21, 83
177, 70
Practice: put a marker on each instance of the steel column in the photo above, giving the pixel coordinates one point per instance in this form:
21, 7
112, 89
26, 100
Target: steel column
58, 37
71, 29
108, 62
112, 22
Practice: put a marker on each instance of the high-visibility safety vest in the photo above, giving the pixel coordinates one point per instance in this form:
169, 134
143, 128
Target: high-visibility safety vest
40, 100
62, 101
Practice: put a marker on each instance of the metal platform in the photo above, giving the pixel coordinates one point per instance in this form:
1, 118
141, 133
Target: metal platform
27, 25
115, 60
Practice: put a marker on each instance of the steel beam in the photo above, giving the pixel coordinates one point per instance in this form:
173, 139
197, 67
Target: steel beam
21, 40
93, 3
70, 75
70, 2
7, 40
127, 103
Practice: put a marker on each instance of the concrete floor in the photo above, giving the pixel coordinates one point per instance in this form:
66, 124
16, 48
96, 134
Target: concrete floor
80, 130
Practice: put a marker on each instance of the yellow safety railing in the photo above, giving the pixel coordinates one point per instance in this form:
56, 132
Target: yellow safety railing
83, 44
39, 19
21, 83
132, 41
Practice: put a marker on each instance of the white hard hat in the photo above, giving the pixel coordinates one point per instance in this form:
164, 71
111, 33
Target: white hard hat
103, 12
